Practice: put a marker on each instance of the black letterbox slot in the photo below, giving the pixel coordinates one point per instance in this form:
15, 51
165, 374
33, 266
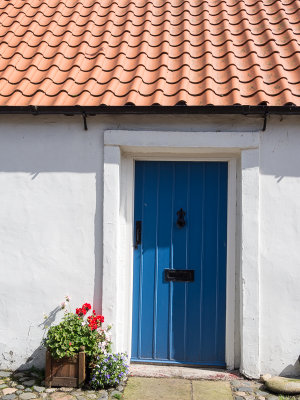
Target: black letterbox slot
179, 275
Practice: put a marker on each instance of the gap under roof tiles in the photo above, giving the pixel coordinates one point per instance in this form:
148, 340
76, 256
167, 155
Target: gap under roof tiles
200, 52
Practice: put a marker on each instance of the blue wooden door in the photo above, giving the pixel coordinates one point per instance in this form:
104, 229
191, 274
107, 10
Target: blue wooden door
180, 230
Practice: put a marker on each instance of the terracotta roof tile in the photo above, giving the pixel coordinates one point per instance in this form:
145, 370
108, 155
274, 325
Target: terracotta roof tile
92, 52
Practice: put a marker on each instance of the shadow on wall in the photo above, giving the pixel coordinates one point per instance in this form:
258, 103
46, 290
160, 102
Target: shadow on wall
38, 357
36, 360
291, 370
49, 319
279, 148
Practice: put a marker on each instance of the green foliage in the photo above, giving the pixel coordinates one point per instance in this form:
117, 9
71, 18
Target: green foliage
109, 371
287, 398
67, 338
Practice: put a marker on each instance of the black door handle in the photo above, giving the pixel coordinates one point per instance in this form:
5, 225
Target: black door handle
138, 233
180, 220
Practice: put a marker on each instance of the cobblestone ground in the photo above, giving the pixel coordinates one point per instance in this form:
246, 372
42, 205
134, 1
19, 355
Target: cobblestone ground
30, 386
252, 390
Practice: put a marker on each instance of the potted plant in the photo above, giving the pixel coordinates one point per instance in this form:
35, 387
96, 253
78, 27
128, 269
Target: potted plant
109, 371
72, 344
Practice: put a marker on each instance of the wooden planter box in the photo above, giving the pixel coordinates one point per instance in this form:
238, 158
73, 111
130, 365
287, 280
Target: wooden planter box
65, 371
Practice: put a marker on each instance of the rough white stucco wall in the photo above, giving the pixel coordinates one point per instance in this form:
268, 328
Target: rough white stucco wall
280, 248
51, 184
51, 177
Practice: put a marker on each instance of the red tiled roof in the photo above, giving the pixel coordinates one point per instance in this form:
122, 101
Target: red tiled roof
145, 52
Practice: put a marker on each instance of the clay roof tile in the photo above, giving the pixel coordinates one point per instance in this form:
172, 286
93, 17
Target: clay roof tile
145, 52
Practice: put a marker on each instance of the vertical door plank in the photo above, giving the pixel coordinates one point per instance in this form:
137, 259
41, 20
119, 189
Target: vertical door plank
210, 259
164, 228
150, 196
195, 253
179, 260
137, 261
222, 250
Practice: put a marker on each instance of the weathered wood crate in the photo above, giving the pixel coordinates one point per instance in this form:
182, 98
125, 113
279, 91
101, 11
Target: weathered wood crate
67, 371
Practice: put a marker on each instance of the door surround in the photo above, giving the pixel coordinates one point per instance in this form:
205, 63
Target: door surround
121, 149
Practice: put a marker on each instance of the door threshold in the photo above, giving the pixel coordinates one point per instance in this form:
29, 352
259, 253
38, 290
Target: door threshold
193, 372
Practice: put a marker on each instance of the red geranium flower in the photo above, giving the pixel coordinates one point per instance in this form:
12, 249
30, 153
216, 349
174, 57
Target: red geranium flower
79, 312
86, 306
95, 321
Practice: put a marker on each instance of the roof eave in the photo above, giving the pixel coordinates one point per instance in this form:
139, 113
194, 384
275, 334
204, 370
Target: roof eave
155, 109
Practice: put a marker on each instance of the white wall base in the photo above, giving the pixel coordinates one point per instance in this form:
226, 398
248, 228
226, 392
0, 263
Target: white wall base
250, 278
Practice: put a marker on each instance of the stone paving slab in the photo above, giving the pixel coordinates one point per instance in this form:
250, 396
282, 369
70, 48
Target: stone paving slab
139, 388
210, 390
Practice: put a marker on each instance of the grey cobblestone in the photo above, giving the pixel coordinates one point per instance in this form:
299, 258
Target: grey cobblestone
262, 393
9, 397
5, 374
102, 395
241, 394
39, 389
76, 393
247, 389
250, 390
35, 374
27, 396
31, 382
30, 386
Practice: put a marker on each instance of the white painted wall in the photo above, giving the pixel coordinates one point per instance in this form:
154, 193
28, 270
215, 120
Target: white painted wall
280, 247
50, 197
51, 191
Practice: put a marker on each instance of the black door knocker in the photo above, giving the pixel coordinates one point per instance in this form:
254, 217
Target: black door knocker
180, 220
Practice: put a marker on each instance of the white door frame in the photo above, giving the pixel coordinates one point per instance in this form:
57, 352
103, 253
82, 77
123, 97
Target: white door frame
121, 149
